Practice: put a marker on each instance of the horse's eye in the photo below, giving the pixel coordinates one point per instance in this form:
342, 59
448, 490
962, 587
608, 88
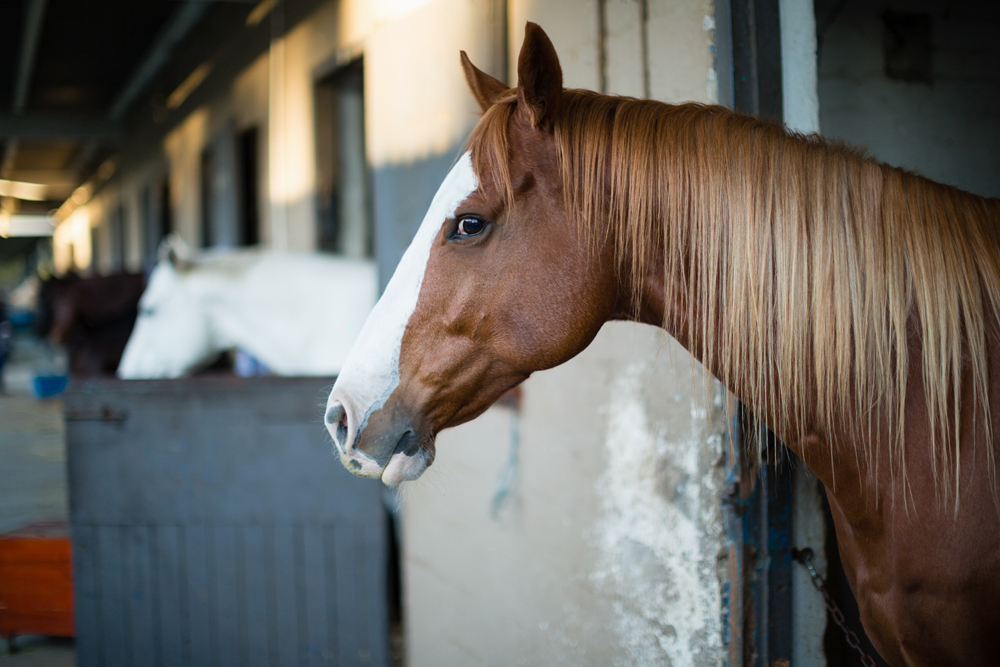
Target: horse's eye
469, 227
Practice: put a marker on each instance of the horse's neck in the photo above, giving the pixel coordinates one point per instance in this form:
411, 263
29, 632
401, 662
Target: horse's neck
740, 356
798, 280
276, 311
668, 306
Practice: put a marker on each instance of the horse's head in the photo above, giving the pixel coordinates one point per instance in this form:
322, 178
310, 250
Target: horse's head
171, 335
496, 284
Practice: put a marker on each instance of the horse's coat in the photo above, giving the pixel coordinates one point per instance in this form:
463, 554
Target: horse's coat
854, 307
92, 317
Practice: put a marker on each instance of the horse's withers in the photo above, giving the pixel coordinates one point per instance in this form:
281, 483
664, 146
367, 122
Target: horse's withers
371, 373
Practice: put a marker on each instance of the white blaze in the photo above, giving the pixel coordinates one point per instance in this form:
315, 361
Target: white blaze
371, 371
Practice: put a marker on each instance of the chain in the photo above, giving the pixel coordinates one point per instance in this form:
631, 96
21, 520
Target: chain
804, 556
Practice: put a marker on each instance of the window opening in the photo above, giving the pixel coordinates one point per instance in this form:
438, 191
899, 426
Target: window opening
247, 146
344, 179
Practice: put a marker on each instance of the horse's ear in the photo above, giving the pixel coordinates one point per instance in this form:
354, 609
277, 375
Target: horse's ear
173, 249
539, 78
485, 88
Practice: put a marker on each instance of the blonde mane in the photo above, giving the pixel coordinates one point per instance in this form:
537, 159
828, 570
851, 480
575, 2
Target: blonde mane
803, 262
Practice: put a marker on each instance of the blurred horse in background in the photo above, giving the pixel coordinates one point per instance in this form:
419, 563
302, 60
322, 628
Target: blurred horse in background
276, 307
92, 317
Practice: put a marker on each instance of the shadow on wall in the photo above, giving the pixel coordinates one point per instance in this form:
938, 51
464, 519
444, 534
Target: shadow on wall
402, 194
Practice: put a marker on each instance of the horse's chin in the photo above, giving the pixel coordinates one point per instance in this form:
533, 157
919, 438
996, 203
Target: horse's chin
406, 468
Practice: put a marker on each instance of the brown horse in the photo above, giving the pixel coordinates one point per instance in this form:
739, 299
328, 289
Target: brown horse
851, 305
92, 317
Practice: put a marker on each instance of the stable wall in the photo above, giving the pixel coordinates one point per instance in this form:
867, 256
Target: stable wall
948, 128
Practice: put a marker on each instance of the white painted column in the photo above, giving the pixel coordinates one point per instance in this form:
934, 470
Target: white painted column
800, 96
277, 155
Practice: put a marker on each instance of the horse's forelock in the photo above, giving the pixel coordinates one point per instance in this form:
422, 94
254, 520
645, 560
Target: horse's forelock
489, 147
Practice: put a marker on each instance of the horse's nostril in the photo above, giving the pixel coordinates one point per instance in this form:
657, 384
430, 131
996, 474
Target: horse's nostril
336, 423
342, 429
333, 414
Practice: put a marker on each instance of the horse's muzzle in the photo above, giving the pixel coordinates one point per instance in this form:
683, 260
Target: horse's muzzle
383, 448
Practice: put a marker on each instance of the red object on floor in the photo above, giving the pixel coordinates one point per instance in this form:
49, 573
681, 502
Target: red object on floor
36, 581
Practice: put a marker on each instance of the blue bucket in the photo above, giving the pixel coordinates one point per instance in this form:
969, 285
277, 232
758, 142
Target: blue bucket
46, 386
21, 320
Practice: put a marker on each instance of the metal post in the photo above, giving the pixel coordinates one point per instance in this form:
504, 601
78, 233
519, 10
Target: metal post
765, 512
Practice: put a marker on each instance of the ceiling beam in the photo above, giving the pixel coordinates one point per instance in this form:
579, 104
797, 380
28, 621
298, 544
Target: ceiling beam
176, 29
51, 178
40, 127
33, 20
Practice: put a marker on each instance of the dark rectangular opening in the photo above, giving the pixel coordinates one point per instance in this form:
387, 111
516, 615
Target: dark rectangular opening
906, 44
207, 170
343, 175
147, 247
157, 216
95, 250
247, 146
149, 235
116, 230
166, 211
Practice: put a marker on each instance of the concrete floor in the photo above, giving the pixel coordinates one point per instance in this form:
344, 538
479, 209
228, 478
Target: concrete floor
32, 461
40, 652
32, 481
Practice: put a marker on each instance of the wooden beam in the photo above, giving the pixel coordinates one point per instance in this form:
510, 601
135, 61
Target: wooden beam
173, 33
33, 20
39, 127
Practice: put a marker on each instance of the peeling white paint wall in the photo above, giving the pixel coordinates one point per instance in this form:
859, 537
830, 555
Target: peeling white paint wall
609, 549
661, 529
